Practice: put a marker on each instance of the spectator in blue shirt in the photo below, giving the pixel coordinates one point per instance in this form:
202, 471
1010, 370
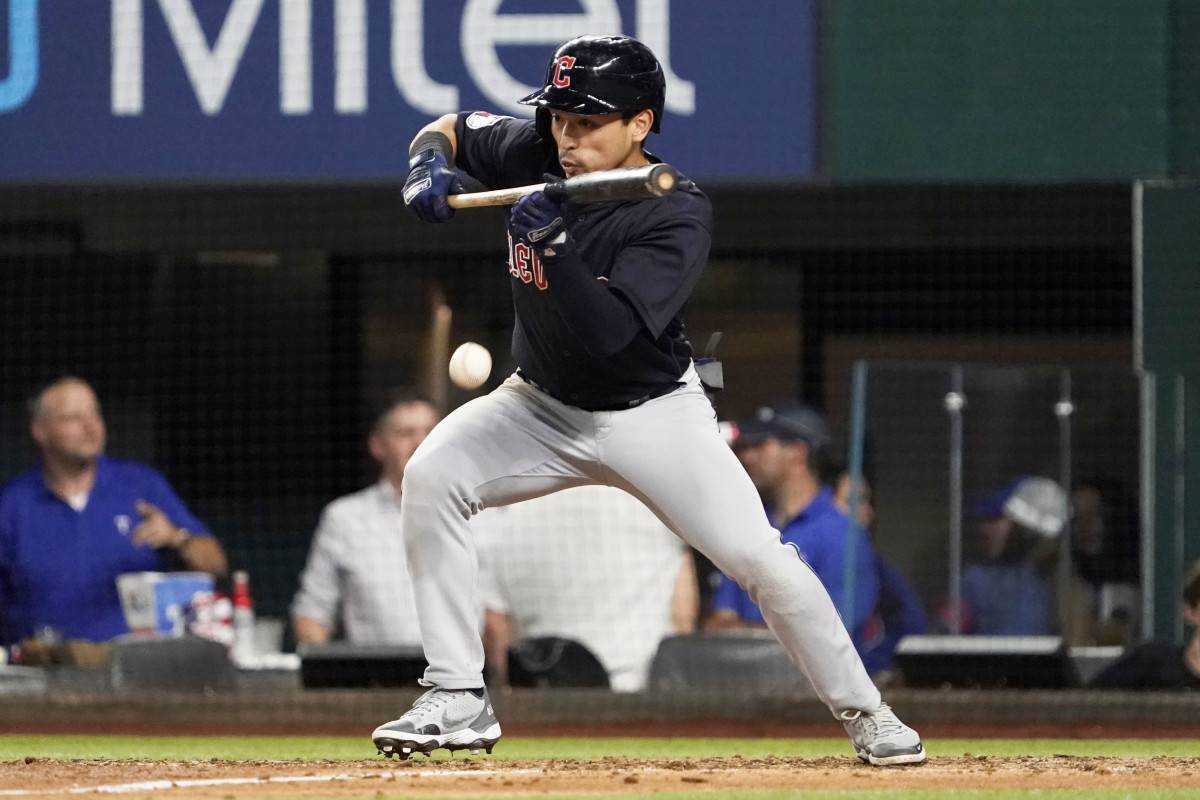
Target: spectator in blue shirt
1006, 590
898, 610
782, 447
73, 523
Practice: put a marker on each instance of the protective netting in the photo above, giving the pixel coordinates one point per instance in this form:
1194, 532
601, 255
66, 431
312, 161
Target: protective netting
240, 341
200, 215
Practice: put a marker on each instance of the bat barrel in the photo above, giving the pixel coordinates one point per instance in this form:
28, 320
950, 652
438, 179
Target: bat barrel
605, 186
630, 183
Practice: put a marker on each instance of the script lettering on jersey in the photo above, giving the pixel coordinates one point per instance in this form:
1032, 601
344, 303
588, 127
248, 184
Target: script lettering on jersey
524, 264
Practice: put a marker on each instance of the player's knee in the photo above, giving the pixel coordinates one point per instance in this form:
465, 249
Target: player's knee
775, 576
431, 473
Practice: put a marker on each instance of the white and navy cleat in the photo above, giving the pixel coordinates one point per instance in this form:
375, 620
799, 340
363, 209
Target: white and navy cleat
450, 719
881, 739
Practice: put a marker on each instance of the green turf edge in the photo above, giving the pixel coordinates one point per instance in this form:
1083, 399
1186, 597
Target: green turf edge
516, 748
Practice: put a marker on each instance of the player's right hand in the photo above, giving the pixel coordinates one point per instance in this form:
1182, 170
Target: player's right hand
430, 181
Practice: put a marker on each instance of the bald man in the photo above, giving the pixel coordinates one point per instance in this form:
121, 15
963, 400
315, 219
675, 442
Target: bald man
78, 519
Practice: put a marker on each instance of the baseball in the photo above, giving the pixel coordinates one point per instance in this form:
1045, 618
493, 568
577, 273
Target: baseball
470, 365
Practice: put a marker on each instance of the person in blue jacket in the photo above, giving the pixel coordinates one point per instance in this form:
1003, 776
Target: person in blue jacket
1006, 588
899, 611
783, 446
73, 523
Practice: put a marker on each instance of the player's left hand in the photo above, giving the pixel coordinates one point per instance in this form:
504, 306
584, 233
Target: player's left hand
537, 220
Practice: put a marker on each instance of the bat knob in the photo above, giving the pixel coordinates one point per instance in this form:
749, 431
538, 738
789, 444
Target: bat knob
664, 178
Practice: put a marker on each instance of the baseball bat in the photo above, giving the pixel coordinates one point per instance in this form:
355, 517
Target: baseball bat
628, 183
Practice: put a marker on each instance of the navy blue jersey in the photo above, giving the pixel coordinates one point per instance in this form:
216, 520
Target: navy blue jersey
650, 253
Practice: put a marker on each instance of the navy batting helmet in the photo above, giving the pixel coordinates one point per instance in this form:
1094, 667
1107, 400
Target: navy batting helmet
600, 75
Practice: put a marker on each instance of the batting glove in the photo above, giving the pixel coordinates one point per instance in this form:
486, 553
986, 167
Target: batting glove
538, 221
430, 181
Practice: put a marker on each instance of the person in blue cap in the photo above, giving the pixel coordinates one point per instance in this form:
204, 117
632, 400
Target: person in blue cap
783, 447
1007, 591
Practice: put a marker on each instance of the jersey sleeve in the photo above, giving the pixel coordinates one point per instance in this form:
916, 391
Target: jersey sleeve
163, 496
498, 151
657, 271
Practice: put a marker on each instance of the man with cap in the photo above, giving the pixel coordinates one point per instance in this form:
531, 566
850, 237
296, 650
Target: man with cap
782, 447
1006, 591
606, 392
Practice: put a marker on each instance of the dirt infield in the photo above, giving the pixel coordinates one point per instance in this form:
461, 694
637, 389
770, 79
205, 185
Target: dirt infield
378, 778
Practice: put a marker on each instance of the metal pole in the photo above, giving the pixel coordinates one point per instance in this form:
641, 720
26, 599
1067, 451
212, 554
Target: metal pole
1179, 534
1063, 409
1147, 488
858, 404
954, 403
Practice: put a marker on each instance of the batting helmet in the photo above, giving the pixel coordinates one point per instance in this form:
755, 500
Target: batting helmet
600, 75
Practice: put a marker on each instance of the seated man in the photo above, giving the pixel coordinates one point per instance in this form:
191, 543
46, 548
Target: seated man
1006, 589
1106, 565
1162, 665
591, 564
783, 447
71, 525
355, 582
898, 609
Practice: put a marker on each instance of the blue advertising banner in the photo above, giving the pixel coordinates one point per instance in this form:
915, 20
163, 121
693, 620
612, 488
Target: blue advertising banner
266, 90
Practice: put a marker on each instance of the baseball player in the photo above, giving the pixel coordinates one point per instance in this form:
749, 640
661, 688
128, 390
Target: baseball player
606, 393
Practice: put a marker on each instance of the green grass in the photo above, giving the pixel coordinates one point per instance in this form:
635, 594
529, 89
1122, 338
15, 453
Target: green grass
357, 748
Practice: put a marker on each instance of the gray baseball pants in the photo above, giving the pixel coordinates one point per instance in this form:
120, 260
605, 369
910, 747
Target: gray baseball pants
518, 442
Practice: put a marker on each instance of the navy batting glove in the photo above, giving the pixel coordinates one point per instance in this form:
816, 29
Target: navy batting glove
430, 182
538, 221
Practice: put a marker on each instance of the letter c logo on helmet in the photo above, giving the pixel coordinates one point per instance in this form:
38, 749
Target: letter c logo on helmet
563, 63
592, 75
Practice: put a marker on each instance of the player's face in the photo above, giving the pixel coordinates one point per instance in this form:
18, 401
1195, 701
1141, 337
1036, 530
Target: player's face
396, 439
69, 427
588, 143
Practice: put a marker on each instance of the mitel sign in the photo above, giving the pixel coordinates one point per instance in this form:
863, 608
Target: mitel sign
334, 89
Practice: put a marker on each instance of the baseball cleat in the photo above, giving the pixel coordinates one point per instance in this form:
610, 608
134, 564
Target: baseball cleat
450, 719
881, 739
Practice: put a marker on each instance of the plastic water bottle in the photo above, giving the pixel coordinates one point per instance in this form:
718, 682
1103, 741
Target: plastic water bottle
243, 619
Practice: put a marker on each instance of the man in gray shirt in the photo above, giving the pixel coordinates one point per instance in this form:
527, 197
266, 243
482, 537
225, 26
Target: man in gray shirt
356, 579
